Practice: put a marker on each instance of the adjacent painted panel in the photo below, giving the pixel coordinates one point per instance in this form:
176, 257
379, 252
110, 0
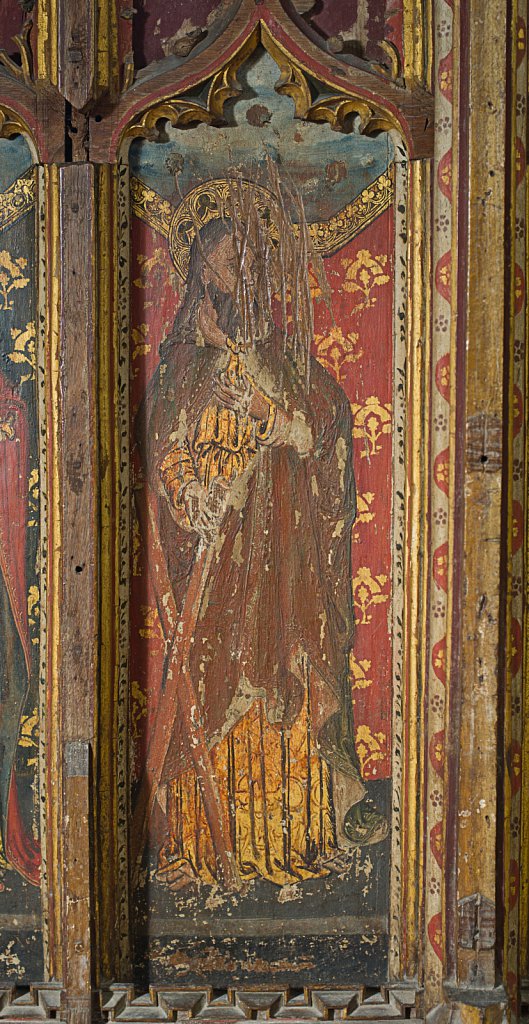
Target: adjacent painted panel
20, 861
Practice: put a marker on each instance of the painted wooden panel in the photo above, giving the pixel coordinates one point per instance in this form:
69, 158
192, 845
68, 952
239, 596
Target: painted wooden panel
294, 701
21, 953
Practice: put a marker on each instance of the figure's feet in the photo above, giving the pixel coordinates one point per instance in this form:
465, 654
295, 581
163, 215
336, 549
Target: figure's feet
177, 874
364, 826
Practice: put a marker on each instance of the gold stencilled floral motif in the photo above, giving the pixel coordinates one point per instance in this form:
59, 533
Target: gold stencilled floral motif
140, 345
12, 277
359, 673
24, 351
363, 274
152, 627
156, 265
368, 590
336, 351
371, 421
371, 747
29, 736
34, 494
138, 707
34, 610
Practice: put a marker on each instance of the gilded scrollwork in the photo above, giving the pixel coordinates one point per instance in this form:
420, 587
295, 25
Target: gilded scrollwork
209, 200
23, 70
18, 199
180, 113
224, 85
11, 124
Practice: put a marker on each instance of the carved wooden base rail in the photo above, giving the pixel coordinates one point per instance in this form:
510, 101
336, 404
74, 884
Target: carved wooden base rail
41, 1001
396, 1003
120, 1003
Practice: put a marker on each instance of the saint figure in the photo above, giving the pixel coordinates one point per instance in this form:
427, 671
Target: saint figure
249, 488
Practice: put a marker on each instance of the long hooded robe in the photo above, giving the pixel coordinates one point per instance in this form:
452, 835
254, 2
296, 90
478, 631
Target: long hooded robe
272, 642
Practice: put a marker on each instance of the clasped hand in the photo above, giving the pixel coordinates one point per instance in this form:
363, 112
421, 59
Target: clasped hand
205, 508
241, 396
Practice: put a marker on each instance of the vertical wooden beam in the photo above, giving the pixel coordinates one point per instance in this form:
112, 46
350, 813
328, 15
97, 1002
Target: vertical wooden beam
82, 47
483, 93
78, 611
77, 58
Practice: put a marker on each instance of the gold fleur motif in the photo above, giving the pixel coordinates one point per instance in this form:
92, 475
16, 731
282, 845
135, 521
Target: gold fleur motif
140, 345
138, 707
371, 747
336, 351
368, 590
363, 512
24, 350
363, 274
155, 265
152, 628
34, 493
29, 735
359, 673
12, 277
371, 421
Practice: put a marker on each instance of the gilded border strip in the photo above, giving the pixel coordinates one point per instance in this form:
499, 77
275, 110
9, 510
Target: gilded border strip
113, 333
53, 414
524, 816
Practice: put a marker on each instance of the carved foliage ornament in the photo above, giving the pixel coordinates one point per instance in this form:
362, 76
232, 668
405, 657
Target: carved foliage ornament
341, 110
24, 70
11, 124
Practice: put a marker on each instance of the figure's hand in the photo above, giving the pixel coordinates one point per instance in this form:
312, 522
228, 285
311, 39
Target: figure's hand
241, 397
231, 394
202, 516
205, 509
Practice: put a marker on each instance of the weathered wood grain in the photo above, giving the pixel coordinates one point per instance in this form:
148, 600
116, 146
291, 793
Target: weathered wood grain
41, 109
475, 701
77, 52
79, 618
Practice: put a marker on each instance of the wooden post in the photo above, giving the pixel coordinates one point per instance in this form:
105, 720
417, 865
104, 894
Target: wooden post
79, 618
476, 653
